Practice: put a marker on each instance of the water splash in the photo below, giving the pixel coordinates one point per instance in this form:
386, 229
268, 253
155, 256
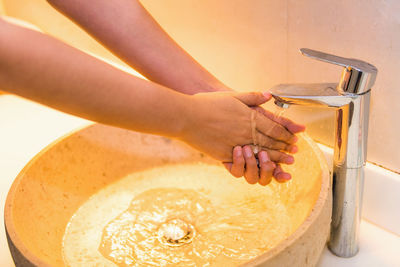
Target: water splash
278, 112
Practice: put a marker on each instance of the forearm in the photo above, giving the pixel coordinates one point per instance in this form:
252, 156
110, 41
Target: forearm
45, 70
129, 31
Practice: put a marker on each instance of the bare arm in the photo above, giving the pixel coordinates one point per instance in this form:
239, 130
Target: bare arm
45, 70
129, 31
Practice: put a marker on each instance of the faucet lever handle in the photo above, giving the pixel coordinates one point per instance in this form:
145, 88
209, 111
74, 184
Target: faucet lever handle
341, 61
355, 70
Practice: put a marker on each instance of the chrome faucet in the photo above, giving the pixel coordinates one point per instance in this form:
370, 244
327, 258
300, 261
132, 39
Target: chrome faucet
351, 98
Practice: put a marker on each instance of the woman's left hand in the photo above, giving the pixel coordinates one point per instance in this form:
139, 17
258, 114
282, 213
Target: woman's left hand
244, 162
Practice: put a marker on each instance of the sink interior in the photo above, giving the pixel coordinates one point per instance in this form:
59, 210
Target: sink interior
103, 175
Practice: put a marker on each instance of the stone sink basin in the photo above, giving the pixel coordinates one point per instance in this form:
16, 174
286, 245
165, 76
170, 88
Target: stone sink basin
66, 174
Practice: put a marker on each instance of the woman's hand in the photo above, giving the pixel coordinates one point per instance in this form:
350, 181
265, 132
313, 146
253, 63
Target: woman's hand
244, 162
219, 121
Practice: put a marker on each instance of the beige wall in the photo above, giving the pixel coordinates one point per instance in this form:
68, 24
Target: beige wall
41, 14
235, 40
1, 13
252, 45
365, 29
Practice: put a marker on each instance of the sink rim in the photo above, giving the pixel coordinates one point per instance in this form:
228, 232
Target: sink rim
17, 246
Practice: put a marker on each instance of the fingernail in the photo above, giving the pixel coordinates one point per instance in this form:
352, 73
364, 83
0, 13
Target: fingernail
293, 149
295, 139
262, 157
289, 160
287, 176
267, 95
237, 151
284, 177
247, 152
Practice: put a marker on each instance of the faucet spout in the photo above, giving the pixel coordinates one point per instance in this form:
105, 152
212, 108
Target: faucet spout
351, 98
314, 94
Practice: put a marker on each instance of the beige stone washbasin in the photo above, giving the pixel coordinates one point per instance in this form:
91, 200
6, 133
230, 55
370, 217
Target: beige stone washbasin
62, 177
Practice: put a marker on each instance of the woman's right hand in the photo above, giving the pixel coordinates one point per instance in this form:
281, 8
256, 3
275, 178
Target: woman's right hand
217, 122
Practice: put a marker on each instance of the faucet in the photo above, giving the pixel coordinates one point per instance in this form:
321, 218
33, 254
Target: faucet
351, 98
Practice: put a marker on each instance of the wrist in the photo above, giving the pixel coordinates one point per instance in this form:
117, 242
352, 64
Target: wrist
186, 117
218, 87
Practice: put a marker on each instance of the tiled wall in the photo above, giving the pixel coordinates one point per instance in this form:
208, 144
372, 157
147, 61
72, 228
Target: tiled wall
252, 45
365, 29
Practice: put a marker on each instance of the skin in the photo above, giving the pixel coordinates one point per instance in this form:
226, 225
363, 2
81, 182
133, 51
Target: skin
149, 50
69, 87
126, 29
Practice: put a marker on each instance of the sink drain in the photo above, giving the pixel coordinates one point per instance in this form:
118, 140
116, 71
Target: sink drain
176, 233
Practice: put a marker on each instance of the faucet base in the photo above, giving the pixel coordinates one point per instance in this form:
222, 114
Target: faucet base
347, 190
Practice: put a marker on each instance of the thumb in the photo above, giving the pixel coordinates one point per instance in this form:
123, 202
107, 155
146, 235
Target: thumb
253, 98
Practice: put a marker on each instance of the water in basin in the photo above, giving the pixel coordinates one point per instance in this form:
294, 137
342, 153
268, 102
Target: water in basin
180, 215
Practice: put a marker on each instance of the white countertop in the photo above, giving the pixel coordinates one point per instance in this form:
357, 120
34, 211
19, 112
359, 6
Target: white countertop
26, 128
